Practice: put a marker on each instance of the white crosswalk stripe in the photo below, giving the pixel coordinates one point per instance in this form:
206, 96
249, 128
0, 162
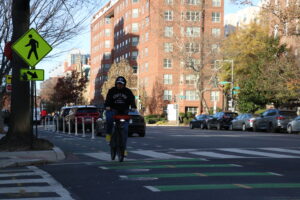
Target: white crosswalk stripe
257, 153
218, 153
33, 175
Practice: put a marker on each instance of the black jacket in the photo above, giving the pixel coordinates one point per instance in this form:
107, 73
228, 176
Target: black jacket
120, 99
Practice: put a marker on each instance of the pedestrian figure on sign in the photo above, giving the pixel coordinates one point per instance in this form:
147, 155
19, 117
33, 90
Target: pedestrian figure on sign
33, 46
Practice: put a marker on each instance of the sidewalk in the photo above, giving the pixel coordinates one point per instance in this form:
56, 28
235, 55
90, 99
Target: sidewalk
23, 158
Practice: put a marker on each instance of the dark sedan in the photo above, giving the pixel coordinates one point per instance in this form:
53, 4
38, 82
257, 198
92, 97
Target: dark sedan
136, 124
221, 120
199, 121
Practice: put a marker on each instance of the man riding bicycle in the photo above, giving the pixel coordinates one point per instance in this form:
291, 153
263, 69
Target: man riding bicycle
118, 101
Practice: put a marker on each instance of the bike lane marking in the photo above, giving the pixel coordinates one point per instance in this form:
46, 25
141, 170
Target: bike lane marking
196, 174
169, 166
169, 188
257, 153
154, 154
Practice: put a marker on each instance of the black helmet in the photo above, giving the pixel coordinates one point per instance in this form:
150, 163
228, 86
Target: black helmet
121, 80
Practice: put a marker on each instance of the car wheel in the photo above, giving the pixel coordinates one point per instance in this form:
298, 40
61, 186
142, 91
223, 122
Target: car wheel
218, 126
142, 134
271, 128
244, 127
289, 129
202, 126
231, 127
191, 126
208, 126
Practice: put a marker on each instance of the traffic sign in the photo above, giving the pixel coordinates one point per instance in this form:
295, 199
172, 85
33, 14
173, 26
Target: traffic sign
31, 47
8, 79
224, 82
32, 74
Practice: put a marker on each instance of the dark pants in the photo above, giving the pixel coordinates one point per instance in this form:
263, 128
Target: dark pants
110, 126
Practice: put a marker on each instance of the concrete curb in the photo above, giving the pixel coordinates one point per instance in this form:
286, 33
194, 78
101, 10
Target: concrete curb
23, 158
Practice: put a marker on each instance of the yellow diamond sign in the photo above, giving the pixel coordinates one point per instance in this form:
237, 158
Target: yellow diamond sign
31, 47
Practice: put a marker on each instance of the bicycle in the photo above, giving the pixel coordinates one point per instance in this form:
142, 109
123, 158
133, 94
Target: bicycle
117, 146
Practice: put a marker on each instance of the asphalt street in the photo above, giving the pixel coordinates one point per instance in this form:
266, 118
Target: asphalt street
168, 163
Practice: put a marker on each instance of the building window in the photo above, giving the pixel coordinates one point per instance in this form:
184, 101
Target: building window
168, 47
135, 41
190, 79
134, 55
168, 15
168, 95
146, 66
276, 27
146, 52
215, 48
216, 17
135, 68
216, 3
192, 47
216, 32
107, 55
192, 31
107, 44
191, 2
146, 36
135, 1
135, 27
286, 28
135, 13
214, 95
169, 2
168, 79
167, 63
193, 63
191, 95
192, 16
192, 110
107, 32
168, 31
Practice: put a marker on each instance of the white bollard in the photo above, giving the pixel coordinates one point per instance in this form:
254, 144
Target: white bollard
83, 129
76, 126
69, 126
64, 125
57, 124
93, 132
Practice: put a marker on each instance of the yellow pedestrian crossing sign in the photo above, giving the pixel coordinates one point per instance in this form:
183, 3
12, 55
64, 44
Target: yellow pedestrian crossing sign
31, 47
8, 79
32, 74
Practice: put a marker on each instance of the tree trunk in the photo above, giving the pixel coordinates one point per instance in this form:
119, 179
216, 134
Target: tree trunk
20, 131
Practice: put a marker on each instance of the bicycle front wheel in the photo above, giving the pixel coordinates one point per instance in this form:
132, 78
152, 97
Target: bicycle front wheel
120, 153
113, 152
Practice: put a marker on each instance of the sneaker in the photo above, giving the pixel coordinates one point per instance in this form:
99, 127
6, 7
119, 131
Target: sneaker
107, 138
125, 153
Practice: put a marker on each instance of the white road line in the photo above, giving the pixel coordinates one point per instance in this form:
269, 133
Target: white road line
151, 188
154, 154
27, 189
103, 156
215, 155
282, 150
55, 186
38, 180
256, 153
18, 174
185, 150
14, 170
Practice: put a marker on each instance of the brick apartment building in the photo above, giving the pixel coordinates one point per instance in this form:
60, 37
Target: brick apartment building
151, 35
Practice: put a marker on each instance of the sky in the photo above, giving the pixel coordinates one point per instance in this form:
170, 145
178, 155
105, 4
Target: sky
82, 41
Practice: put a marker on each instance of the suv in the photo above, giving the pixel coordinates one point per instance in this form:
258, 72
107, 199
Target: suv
273, 120
82, 112
221, 120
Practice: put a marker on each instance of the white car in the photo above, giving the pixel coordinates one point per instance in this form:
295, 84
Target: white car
294, 125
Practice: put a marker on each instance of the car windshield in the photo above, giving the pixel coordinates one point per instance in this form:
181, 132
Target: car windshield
65, 111
230, 114
87, 110
288, 113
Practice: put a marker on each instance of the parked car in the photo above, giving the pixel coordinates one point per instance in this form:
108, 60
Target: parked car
136, 124
273, 120
243, 122
221, 120
199, 121
294, 125
64, 111
87, 113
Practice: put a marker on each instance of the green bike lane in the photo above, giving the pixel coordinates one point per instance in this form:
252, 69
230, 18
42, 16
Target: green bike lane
181, 177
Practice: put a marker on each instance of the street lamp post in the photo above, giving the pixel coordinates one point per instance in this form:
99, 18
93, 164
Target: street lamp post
231, 83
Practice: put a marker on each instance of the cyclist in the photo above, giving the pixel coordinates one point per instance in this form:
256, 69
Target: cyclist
118, 101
